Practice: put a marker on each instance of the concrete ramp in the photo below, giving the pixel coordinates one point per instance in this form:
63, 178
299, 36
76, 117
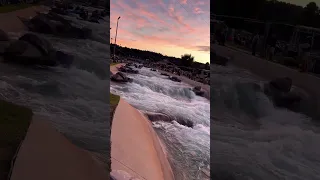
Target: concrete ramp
45, 154
135, 147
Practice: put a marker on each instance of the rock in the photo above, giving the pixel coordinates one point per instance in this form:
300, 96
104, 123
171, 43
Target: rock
173, 78
185, 122
62, 58
42, 44
41, 24
282, 84
197, 88
158, 117
21, 52
164, 74
165, 118
3, 36
84, 32
120, 77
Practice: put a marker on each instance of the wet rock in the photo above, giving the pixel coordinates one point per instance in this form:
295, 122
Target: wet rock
41, 24
165, 118
158, 117
164, 74
279, 90
42, 44
198, 91
120, 77
282, 84
62, 58
128, 70
173, 78
56, 25
22, 52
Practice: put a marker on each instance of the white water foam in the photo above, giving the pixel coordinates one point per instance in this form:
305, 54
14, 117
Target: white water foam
275, 144
188, 148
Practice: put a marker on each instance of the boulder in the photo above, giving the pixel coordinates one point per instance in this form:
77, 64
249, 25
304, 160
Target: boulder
41, 24
62, 58
120, 77
173, 78
42, 44
281, 84
21, 52
158, 117
3, 36
165, 118
164, 74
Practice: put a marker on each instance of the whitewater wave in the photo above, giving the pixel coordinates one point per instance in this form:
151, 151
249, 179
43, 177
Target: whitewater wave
188, 148
252, 138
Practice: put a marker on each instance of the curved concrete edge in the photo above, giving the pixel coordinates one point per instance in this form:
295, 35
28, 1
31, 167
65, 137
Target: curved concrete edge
47, 154
135, 146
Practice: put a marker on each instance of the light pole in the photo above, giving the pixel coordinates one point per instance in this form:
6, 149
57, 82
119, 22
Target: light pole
115, 40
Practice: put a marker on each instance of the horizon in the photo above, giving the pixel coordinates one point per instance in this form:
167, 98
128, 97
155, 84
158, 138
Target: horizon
301, 2
170, 27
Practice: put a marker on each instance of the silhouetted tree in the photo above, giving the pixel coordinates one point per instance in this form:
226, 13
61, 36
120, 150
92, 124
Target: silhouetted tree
187, 60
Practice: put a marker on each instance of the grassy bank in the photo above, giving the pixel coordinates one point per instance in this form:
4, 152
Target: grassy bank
14, 7
114, 100
14, 123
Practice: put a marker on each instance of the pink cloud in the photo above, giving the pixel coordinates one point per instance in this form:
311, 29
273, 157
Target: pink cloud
183, 1
197, 10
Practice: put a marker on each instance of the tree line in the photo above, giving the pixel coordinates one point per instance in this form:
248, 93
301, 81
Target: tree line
265, 11
186, 60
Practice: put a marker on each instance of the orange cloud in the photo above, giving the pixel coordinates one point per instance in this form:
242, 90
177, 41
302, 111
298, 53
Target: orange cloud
165, 27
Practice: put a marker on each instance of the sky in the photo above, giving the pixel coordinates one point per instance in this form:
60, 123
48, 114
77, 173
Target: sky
169, 27
302, 2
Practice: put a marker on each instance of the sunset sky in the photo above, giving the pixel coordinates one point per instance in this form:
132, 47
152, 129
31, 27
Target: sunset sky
170, 27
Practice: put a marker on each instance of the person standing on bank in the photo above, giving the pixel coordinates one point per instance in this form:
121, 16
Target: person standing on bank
255, 41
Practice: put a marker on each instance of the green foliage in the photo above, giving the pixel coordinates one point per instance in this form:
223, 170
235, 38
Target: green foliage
14, 123
187, 60
13, 7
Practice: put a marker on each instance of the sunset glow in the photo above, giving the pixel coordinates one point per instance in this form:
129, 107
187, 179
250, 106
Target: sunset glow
170, 27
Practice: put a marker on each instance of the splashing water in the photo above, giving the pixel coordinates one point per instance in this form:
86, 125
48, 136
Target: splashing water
188, 148
252, 139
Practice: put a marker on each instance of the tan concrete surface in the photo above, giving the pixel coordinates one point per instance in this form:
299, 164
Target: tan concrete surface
46, 154
11, 23
135, 147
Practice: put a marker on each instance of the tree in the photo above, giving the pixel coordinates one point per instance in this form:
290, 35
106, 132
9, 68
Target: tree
187, 60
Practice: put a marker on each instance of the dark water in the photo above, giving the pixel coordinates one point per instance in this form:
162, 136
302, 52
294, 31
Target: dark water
74, 100
254, 140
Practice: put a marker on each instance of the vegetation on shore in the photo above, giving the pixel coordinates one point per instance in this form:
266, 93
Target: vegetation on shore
113, 64
114, 100
14, 7
14, 123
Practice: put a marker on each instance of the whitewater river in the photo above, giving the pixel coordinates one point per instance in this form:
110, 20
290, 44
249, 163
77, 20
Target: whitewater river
74, 100
188, 148
253, 140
